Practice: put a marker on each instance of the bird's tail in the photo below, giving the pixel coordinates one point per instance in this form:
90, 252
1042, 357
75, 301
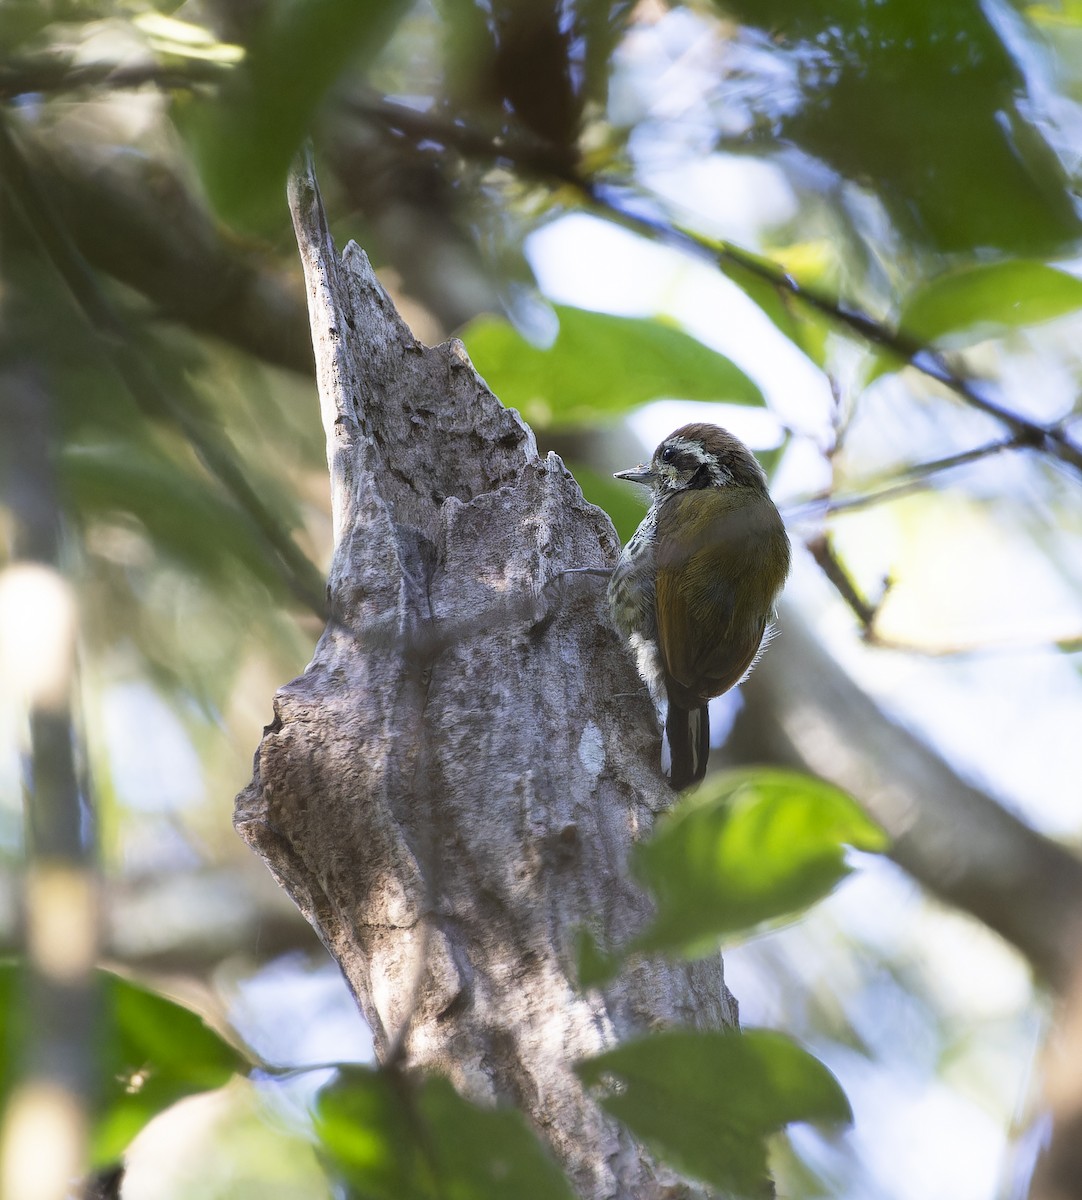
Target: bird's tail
688, 731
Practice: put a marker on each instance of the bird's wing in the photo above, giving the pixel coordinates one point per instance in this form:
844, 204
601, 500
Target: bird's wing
708, 632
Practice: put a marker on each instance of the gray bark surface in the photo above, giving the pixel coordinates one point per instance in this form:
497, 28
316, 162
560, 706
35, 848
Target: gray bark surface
454, 785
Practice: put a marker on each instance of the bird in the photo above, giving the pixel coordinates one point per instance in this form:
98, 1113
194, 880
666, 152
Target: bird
694, 590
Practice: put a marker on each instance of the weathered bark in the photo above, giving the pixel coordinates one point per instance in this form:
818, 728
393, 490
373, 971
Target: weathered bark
453, 786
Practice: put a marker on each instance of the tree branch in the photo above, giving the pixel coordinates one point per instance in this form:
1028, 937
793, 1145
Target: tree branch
525, 153
139, 223
908, 480
55, 76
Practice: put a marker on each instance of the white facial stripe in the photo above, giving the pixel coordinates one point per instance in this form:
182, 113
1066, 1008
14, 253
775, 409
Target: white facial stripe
718, 474
683, 446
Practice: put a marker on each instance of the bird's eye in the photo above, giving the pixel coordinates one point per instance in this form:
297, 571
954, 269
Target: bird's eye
668, 454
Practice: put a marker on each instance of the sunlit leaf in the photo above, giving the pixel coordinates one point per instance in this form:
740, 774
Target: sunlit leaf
1061, 12
971, 303
796, 320
151, 1052
393, 1138
600, 366
989, 298
168, 35
751, 846
705, 1102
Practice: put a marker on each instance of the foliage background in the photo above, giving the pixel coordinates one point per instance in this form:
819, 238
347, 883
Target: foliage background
855, 224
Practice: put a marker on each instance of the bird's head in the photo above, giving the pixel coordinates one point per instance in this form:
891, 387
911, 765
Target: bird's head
698, 456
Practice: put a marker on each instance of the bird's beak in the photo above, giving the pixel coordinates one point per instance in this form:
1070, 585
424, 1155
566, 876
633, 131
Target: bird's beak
640, 474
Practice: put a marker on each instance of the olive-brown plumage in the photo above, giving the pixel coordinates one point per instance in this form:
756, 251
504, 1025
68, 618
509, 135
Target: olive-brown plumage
695, 587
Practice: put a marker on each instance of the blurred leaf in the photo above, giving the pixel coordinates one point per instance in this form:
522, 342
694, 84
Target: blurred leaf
924, 104
396, 1139
168, 35
366, 1125
151, 1053
972, 303
25, 20
601, 366
990, 297
245, 138
751, 846
1060, 12
625, 505
486, 1152
184, 515
158, 1051
705, 1102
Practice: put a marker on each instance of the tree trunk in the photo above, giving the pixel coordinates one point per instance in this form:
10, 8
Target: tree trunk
453, 786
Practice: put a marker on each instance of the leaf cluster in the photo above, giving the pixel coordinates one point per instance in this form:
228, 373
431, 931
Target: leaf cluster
754, 848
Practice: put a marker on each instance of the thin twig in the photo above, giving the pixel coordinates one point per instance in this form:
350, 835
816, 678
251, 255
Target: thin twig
922, 357
822, 550
908, 481
1068, 644
526, 153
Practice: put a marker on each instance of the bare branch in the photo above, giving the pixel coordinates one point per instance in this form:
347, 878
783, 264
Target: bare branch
113, 209
907, 481
53, 75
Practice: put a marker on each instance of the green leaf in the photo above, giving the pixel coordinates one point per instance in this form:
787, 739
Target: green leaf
1061, 13
245, 137
625, 505
486, 1153
752, 846
989, 298
366, 1124
393, 1138
705, 1102
185, 516
601, 366
971, 303
151, 1052
926, 106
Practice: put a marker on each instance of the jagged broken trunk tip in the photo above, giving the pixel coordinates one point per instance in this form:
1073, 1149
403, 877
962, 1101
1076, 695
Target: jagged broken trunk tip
454, 784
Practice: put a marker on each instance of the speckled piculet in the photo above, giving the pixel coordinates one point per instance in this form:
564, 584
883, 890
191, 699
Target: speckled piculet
695, 588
